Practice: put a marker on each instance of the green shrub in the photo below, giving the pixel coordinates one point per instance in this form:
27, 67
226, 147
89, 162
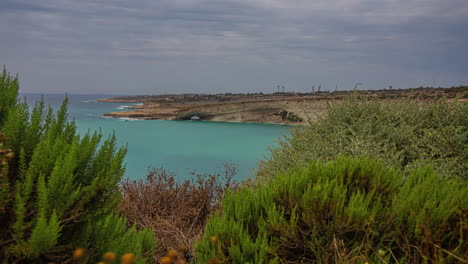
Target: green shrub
289, 116
60, 190
9, 91
344, 211
404, 134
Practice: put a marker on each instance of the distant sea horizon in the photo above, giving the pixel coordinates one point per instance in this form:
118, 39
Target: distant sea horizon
181, 147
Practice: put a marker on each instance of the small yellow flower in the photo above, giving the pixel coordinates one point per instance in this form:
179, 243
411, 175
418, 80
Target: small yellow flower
109, 257
166, 260
78, 253
214, 240
182, 248
127, 258
172, 254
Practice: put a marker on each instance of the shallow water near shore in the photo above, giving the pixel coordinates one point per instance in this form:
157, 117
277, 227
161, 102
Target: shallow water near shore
178, 146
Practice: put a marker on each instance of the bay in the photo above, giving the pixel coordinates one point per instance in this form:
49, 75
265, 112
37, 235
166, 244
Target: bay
181, 147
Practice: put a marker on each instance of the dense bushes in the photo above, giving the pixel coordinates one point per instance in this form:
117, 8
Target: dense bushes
345, 211
176, 211
58, 189
403, 134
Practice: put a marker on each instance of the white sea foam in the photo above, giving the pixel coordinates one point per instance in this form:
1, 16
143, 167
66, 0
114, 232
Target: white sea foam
128, 119
123, 107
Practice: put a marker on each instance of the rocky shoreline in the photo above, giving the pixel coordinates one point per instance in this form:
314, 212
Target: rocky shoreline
281, 108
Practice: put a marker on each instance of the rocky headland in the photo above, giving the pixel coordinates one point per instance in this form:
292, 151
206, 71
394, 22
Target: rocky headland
282, 108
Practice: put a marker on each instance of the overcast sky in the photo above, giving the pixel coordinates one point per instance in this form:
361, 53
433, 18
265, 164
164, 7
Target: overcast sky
213, 46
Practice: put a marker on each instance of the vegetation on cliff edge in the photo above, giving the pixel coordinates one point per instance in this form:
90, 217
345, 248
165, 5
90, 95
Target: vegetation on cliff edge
404, 134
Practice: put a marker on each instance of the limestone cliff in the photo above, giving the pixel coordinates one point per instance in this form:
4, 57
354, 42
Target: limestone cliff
285, 108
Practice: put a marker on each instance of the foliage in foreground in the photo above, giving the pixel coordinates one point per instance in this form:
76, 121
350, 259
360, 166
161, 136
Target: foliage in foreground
175, 211
345, 211
58, 189
403, 134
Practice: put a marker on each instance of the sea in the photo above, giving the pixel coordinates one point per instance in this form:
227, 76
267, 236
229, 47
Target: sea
181, 147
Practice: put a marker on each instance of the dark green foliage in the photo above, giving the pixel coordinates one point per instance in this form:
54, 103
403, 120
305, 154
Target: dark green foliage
403, 134
5, 156
289, 116
61, 189
8, 92
344, 211
111, 234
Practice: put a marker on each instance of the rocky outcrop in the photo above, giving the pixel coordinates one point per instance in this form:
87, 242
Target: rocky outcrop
285, 108
255, 112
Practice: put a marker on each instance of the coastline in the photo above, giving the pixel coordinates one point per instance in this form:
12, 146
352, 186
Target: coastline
278, 108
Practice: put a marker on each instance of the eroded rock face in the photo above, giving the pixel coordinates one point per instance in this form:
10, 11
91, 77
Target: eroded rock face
257, 112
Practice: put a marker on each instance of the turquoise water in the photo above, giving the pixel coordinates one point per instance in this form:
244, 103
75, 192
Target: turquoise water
178, 146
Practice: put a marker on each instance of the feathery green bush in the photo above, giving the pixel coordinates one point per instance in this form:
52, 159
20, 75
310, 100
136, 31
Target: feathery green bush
351, 210
60, 190
403, 134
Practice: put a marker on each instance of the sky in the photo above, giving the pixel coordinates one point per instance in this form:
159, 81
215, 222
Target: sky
219, 46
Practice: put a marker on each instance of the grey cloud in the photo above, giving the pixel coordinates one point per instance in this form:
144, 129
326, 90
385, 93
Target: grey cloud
298, 42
